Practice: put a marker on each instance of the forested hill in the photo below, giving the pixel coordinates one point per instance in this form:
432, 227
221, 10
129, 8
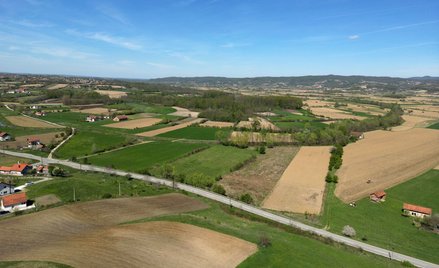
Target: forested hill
324, 81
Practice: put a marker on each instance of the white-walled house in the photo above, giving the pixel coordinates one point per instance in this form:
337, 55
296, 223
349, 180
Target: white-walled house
6, 189
14, 202
416, 211
5, 136
15, 169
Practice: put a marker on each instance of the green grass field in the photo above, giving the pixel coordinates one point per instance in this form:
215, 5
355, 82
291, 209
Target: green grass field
91, 186
434, 126
142, 108
144, 156
86, 142
192, 133
300, 125
213, 162
8, 160
283, 115
382, 224
287, 249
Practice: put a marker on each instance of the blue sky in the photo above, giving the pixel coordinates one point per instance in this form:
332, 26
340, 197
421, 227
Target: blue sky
234, 38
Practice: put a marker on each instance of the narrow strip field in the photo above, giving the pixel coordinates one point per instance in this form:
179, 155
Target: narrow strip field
301, 187
24, 121
136, 123
394, 156
141, 157
156, 132
89, 235
217, 124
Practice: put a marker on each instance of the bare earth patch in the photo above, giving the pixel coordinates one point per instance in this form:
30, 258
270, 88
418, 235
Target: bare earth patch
184, 112
369, 109
394, 156
264, 124
113, 94
318, 103
89, 235
136, 123
58, 86
334, 113
104, 111
24, 121
156, 132
302, 185
260, 176
47, 200
217, 124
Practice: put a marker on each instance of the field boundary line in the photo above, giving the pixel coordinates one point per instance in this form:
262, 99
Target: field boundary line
242, 206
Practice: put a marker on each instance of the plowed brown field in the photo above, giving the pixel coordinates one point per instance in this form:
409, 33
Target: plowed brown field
24, 121
301, 187
386, 158
136, 123
88, 235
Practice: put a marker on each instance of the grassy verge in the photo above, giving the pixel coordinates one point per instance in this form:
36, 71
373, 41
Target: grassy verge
31, 264
434, 126
382, 224
91, 186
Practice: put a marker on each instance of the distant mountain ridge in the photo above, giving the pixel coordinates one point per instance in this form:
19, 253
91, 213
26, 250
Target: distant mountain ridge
318, 81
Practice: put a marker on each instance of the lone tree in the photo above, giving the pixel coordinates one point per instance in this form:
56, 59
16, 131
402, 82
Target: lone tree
349, 231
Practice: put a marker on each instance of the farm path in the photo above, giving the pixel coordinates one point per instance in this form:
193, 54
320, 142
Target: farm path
242, 206
61, 143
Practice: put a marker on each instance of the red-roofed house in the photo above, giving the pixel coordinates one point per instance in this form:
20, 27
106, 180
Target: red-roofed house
120, 118
34, 143
14, 202
16, 169
416, 211
5, 136
379, 196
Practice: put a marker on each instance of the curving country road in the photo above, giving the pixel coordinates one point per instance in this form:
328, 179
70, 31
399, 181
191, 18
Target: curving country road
237, 204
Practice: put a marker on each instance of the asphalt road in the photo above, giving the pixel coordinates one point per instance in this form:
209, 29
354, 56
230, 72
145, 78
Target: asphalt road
237, 204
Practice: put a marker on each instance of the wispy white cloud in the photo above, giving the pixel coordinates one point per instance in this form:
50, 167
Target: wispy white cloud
107, 38
113, 13
32, 24
184, 57
160, 65
395, 28
354, 37
61, 52
234, 45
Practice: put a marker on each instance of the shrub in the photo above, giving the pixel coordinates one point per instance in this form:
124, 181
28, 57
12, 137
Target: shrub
246, 198
199, 180
219, 189
58, 172
349, 231
107, 195
264, 241
261, 149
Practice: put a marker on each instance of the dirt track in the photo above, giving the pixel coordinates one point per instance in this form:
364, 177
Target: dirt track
24, 121
136, 123
394, 156
301, 187
411, 121
88, 235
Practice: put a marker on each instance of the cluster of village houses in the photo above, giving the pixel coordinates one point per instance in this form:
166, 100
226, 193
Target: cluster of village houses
32, 143
94, 118
12, 198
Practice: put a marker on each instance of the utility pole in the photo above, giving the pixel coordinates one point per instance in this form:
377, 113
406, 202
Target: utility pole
74, 195
119, 189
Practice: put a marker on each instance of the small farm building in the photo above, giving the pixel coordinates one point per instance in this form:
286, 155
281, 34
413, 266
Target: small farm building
16, 169
14, 202
120, 118
5, 136
379, 196
416, 211
6, 189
